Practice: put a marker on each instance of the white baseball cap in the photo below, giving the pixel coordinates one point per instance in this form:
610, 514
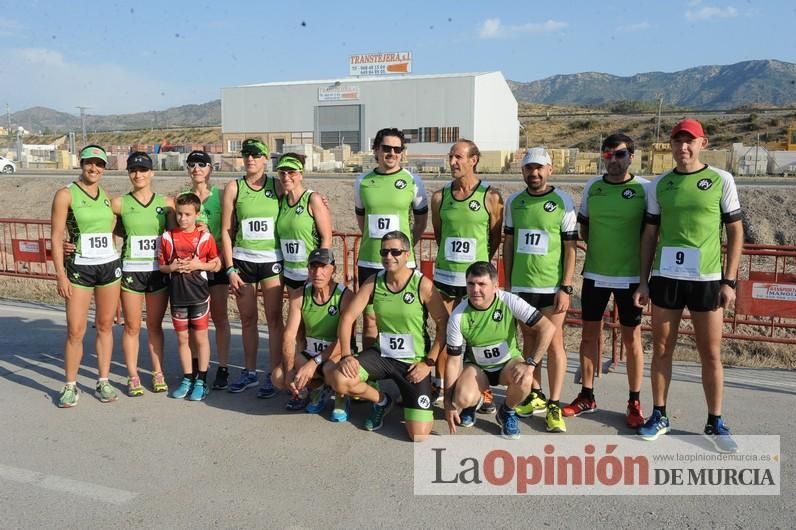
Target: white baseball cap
536, 155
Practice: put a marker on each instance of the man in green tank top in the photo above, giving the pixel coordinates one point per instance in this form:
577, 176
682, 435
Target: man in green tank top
482, 331
402, 299
611, 217
682, 247
540, 230
467, 215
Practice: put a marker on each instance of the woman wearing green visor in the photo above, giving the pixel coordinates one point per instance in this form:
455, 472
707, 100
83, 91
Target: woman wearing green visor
304, 224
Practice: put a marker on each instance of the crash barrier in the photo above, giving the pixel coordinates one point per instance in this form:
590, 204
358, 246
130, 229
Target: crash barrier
765, 309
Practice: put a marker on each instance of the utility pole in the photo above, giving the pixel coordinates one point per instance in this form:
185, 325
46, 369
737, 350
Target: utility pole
83, 121
8, 116
659, 97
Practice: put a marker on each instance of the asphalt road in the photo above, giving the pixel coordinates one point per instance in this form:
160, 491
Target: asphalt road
235, 461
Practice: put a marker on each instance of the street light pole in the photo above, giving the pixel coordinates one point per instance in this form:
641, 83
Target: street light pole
658, 121
83, 121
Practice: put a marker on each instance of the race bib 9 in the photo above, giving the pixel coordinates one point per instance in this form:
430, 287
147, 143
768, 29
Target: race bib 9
532, 242
680, 262
144, 246
494, 354
258, 228
96, 245
378, 225
397, 346
460, 249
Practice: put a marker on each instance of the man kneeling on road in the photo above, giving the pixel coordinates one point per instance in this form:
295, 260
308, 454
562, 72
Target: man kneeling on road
483, 329
401, 298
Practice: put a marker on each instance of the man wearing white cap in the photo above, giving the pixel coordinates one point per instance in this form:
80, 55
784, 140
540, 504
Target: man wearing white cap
540, 230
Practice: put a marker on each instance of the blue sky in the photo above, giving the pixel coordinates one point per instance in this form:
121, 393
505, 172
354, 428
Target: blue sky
134, 56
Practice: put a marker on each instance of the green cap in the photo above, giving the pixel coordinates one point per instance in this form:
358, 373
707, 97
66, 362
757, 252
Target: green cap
290, 162
93, 151
253, 145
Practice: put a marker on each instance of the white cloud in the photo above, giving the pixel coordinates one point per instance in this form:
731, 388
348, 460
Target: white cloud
492, 28
48, 78
709, 12
9, 27
640, 26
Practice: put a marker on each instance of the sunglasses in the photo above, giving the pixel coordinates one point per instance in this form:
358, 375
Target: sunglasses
619, 154
247, 154
386, 149
199, 164
394, 252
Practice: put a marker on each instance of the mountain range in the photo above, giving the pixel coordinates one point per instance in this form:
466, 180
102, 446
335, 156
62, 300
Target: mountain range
749, 83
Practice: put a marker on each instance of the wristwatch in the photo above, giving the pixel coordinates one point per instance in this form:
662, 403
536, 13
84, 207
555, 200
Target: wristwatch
567, 289
731, 283
318, 359
529, 361
429, 361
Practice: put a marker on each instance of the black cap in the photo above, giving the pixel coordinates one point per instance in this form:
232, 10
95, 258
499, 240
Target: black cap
321, 255
198, 156
139, 159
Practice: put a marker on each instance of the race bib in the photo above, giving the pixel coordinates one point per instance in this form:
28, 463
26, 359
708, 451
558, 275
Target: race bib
258, 228
494, 354
532, 242
378, 225
293, 249
460, 249
397, 346
680, 262
144, 246
316, 346
608, 284
96, 245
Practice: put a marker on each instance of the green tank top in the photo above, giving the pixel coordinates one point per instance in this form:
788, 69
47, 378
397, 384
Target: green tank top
385, 202
490, 335
143, 225
613, 212
210, 213
297, 235
256, 240
89, 223
539, 223
401, 319
465, 234
320, 320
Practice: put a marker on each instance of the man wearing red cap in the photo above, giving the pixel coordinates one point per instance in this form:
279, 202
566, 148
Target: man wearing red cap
684, 207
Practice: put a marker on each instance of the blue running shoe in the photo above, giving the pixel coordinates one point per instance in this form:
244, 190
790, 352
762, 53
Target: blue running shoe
318, 399
375, 419
186, 385
267, 390
509, 423
246, 380
199, 391
719, 436
340, 410
654, 427
467, 416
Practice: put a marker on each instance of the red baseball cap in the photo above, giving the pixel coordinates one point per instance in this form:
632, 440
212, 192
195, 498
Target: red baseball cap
691, 126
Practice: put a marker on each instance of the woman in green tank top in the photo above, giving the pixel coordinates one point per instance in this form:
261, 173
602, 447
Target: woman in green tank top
144, 215
199, 166
84, 211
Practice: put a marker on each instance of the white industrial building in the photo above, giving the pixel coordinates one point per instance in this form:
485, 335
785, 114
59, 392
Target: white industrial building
433, 111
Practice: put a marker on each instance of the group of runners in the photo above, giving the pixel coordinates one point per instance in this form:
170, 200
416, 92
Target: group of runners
657, 241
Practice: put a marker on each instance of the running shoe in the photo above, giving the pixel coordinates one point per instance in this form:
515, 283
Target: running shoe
437, 394
719, 435
340, 410
134, 388
534, 405
656, 425
221, 382
581, 405
199, 391
467, 416
159, 383
105, 392
69, 397
186, 385
318, 399
635, 416
246, 380
267, 390
553, 420
375, 419
298, 402
487, 404
509, 423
